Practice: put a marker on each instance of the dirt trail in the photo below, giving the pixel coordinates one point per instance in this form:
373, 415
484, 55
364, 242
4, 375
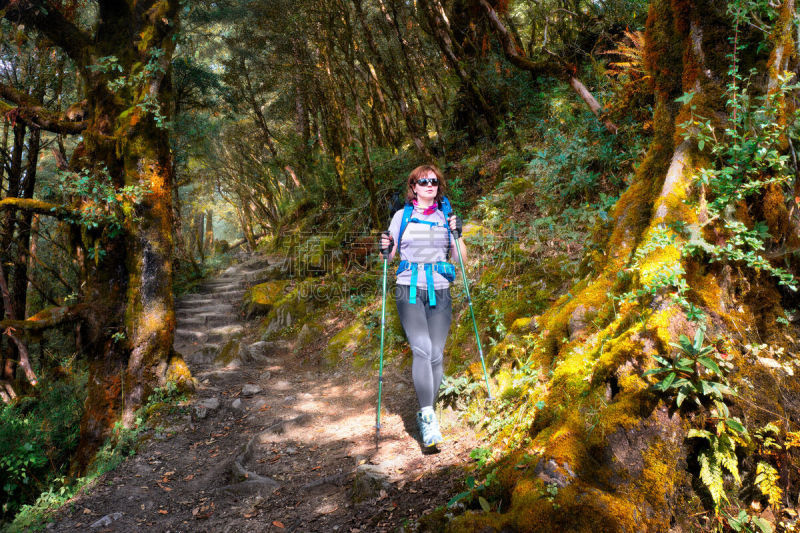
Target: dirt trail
273, 441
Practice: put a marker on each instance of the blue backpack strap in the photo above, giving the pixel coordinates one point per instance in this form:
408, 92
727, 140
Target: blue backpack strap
448, 270
447, 210
408, 210
412, 290
429, 283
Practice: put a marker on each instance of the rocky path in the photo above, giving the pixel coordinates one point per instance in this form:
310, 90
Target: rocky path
273, 440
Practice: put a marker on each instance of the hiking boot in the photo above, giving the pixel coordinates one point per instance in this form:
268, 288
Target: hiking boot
428, 427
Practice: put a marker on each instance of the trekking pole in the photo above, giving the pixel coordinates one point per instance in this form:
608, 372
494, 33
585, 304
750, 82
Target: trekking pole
383, 325
474, 323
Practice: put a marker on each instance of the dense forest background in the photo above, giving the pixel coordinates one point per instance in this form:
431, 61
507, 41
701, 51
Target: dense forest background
629, 173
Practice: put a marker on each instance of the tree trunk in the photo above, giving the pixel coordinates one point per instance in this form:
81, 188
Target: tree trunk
209, 236
198, 232
32, 259
129, 284
603, 431
483, 114
20, 273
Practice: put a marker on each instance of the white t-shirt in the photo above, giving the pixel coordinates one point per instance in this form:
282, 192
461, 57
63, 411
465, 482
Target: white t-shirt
422, 243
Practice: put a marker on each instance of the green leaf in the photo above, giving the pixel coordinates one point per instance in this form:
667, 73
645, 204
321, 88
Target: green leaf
699, 433
698, 340
685, 98
664, 385
762, 524
680, 398
710, 364
484, 504
457, 498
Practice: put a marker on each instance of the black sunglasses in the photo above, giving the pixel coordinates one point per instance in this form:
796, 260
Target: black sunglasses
425, 181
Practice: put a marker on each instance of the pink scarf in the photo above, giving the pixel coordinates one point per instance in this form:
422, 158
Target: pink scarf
428, 210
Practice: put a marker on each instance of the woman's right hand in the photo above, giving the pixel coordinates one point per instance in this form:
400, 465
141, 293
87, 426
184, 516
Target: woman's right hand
386, 242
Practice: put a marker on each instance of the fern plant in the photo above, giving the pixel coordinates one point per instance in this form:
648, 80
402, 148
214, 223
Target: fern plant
768, 448
767, 480
716, 457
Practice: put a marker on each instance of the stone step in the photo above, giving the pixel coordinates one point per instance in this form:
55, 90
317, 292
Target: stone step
189, 335
194, 298
206, 320
230, 284
207, 291
220, 334
238, 293
219, 307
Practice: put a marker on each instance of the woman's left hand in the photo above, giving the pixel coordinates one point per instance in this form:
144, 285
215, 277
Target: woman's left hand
456, 225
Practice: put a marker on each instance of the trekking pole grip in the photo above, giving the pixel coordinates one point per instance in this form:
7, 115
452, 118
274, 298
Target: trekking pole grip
386, 251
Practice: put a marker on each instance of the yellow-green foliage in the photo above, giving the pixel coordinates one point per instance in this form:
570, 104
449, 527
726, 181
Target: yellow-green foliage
767, 480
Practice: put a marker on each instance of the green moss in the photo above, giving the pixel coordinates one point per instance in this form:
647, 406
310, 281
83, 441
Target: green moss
346, 343
293, 306
261, 298
228, 353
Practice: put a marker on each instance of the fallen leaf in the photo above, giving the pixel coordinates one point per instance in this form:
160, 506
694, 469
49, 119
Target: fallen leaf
169, 474
163, 511
251, 515
189, 477
163, 487
278, 524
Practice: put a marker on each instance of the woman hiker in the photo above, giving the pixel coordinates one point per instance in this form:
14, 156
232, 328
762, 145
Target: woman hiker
422, 291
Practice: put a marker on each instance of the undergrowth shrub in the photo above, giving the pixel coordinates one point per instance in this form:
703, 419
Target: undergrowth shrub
53, 489
37, 437
575, 158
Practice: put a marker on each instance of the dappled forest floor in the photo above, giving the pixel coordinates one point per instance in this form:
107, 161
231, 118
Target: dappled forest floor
275, 439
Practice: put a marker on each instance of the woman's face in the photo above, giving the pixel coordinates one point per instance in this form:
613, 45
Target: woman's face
425, 188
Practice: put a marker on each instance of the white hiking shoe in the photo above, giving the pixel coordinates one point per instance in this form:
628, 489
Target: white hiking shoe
429, 427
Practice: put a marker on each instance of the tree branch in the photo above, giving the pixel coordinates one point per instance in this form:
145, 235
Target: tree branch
37, 206
47, 19
47, 318
33, 113
515, 55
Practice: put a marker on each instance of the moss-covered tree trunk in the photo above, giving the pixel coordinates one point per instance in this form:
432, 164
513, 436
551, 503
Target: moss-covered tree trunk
133, 281
125, 69
604, 452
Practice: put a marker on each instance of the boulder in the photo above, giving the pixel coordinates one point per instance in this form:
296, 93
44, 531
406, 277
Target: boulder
308, 334
368, 483
260, 299
345, 343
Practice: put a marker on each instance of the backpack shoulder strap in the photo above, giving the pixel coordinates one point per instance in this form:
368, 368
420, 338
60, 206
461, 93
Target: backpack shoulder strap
407, 212
447, 210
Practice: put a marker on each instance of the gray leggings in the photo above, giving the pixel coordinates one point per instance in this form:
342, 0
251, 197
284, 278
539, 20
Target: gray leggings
426, 328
